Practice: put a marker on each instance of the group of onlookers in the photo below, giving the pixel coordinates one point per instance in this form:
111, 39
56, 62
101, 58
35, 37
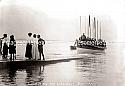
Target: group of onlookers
34, 47
5, 48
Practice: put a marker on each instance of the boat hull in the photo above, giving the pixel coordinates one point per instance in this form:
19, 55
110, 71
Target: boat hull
89, 51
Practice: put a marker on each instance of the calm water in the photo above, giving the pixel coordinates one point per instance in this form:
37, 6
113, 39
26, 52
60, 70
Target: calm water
106, 69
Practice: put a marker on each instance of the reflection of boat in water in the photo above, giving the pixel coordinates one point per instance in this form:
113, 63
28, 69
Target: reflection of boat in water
93, 42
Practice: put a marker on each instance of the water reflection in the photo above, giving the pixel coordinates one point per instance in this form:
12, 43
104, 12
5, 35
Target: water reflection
8, 76
91, 70
35, 75
31, 75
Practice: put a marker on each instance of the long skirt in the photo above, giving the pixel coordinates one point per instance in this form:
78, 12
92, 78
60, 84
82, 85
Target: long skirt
28, 52
35, 52
12, 49
5, 49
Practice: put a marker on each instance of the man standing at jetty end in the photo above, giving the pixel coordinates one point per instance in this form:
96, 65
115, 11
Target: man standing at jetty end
41, 42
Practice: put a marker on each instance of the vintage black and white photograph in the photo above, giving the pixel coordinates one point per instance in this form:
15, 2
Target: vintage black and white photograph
62, 42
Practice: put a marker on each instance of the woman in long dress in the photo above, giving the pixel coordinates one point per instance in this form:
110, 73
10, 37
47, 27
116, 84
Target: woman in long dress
35, 52
5, 47
28, 53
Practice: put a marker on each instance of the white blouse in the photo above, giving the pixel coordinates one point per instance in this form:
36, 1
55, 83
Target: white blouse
4, 40
30, 40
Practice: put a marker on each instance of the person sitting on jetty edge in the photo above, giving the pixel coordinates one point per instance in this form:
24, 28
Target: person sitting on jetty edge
41, 42
28, 53
12, 48
5, 47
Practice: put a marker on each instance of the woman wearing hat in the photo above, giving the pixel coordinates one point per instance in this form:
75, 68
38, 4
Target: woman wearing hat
35, 52
28, 53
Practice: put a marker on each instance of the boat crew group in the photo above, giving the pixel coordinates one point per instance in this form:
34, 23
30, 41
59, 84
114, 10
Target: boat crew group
87, 41
34, 47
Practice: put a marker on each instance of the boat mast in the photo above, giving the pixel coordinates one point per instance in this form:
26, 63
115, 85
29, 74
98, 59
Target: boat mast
97, 29
89, 32
85, 26
80, 26
100, 31
90, 29
94, 28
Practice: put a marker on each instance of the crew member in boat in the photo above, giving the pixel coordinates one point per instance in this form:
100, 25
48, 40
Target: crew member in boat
76, 42
104, 43
41, 42
93, 42
100, 42
83, 37
88, 39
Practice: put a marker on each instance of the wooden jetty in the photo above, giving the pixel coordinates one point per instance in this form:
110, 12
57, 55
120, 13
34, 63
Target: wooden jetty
24, 63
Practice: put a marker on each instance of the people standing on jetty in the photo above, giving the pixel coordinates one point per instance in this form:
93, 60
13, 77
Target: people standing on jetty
12, 48
35, 52
5, 46
41, 42
28, 53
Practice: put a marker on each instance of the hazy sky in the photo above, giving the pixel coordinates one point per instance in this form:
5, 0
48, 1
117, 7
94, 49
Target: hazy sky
59, 19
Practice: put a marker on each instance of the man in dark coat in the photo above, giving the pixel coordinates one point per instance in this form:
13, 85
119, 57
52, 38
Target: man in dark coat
41, 42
